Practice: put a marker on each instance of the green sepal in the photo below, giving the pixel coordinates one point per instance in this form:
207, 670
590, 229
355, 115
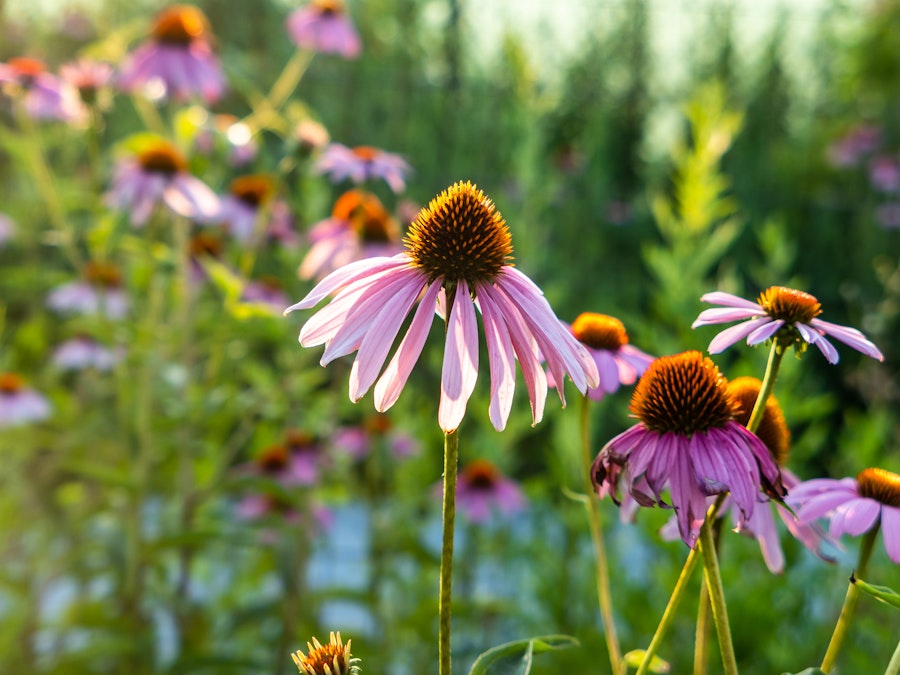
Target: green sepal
635, 658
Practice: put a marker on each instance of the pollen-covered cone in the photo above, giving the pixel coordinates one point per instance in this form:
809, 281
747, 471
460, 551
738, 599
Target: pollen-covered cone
332, 658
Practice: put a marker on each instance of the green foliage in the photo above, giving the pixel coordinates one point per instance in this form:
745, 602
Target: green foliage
516, 657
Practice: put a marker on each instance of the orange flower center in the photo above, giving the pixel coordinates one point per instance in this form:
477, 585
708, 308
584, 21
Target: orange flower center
481, 475
366, 152
881, 485
102, 274
332, 658
599, 331
10, 383
162, 157
460, 236
789, 305
205, 244
273, 458
27, 68
370, 220
684, 393
773, 430
180, 25
297, 439
254, 190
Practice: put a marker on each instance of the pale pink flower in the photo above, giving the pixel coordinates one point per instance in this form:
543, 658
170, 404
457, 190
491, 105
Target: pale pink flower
158, 174
45, 96
359, 441
100, 292
687, 440
849, 150
456, 261
19, 403
324, 26
481, 490
81, 353
89, 78
853, 505
359, 227
249, 199
178, 57
363, 163
7, 228
779, 312
884, 173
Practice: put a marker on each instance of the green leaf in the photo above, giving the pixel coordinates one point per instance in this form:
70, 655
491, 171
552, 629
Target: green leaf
635, 658
808, 671
509, 653
882, 593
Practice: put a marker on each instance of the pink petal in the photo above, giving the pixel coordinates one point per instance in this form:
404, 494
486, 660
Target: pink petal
736, 333
347, 275
890, 530
764, 332
728, 300
849, 336
501, 359
460, 369
725, 315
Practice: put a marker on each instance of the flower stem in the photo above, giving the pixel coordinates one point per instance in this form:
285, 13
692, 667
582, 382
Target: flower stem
591, 504
717, 596
850, 600
448, 516
894, 666
677, 594
776, 354
701, 634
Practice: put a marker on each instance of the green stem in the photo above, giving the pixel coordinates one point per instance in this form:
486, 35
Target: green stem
717, 597
894, 666
850, 600
701, 634
265, 113
448, 516
677, 594
604, 595
776, 354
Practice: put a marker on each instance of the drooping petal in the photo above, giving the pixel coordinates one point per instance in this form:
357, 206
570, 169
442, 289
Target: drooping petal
687, 498
890, 531
817, 338
764, 332
500, 358
735, 334
460, 369
718, 315
360, 269
394, 377
858, 516
849, 336
728, 300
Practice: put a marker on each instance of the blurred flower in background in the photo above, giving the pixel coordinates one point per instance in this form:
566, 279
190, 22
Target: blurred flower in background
849, 150
7, 228
884, 173
359, 227
100, 292
178, 59
19, 403
359, 441
267, 290
249, 199
91, 79
45, 96
482, 490
324, 26
83, 352
363, 163
225, 129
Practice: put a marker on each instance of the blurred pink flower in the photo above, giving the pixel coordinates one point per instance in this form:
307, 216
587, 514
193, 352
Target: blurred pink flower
46, 97
203, 245
456, 260
178, 57
888, 215
359, 227
268, 291
363, 163
159, 175
617, 361
324, 26
19, 403
89, 78
853, 505
99, 293
779, 311
249, 198
83, 352
884, 173
7, 228
482, 490
359, 441
849, 150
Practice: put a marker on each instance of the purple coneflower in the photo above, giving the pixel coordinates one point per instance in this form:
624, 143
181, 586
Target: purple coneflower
179, 56
785, 313
617, 361
83, 352
268, 291
481, 490
363, 163
89, 78
853, 505
249, 198
359, 441
359, 227
324, 26
848, 150
688, 439
456, 259
46, 97
884, 173
19, 403
100, 292
158, 174
202, 246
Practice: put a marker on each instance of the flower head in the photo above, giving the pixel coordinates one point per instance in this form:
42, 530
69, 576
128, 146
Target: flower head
89, 78
324, 26
686, 439
359, 441
783, 313
45, 96
19, 403
158, 174
100, 292
178, 57
332, 658
481, 489
249, 198
359, 227
617, 361
853, 505
456, 260
83, 352
363, 163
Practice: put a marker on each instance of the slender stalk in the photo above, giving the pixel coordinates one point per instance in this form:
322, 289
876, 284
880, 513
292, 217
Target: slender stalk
776, 354
604, 596
701, 634
265, 112
894, 666
717, 597
677, 593
448, 516
850, 600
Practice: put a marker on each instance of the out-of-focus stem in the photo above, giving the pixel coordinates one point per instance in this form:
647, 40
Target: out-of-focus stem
894, 666
604, 596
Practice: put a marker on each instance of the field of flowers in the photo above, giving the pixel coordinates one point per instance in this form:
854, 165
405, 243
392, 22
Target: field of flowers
330, 343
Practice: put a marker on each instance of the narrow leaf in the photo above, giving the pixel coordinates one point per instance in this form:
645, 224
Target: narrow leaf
882, 593
527, 648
